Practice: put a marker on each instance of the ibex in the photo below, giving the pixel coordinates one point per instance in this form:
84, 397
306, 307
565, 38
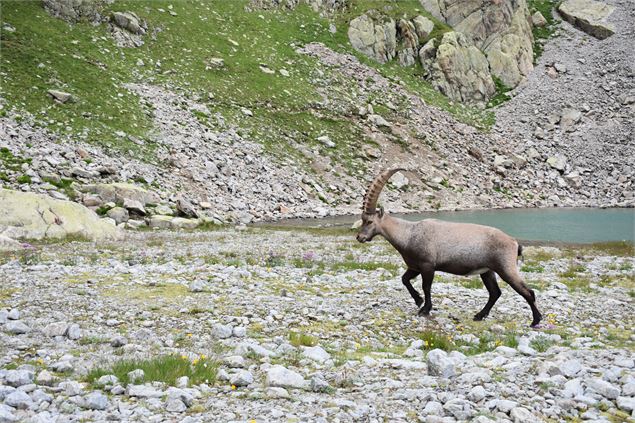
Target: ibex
432, 245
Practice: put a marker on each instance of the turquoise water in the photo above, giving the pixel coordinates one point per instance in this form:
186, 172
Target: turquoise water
569, 225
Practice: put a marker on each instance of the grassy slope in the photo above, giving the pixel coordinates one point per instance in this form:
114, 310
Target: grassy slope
83, 60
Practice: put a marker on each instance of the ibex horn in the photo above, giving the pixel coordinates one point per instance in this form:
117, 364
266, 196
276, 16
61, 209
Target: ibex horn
372, 195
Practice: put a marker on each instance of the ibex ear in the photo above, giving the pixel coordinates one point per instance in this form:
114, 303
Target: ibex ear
381, 211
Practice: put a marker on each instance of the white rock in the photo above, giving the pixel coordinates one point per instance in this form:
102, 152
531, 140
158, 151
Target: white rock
476, 394
439, 364
603, 388
222, 331
56, 329
18, 399
626, 403
175, 405
107, 380
522, 415
71, 388
16, 327
433, 408
282, 377
573, 388
316, 353
143, 391
570, 368
136, 375
17, 378
242, 378
96, 401
74, 332
6, 414
239, 331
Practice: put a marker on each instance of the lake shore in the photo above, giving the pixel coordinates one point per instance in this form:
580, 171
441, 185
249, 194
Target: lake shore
306, 324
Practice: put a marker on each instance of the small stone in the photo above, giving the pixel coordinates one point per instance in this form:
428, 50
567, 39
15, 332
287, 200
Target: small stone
239, 331
18, 399
573, 388
107, 380
118, 341
280, 376
222, 331
71, 388
197, 286
522, 415
326, 140
476, 394
74, 332
316, 353
134, 206
136, 375
439, 364
183, 382
14, 314
45, 378
538, 20
603, 388
175, 405
143, 391
17, 378
16, 327
96, 401
60, 96
242, 378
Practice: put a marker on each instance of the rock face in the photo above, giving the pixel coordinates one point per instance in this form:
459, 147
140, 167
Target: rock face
374, 35
501, 29
75, 10
460, 70
34, 216
588, 15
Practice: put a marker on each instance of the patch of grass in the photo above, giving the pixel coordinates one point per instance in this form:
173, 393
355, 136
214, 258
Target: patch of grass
23, 179
573, 270
9, 161
93, 340
500, 96
433, 340
541, 343
298, 338
166, 369
577, 284
541, 34
532, 267
471, 283
615, 248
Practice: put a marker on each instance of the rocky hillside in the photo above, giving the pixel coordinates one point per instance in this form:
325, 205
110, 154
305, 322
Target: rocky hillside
242, 111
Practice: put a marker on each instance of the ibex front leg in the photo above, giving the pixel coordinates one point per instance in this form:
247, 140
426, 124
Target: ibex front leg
426, 283
405, 279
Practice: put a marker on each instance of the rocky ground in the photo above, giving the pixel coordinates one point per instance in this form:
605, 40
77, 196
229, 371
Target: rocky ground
579, 104
291, 325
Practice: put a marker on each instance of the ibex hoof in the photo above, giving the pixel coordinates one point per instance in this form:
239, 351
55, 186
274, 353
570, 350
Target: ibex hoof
478, 317
423, 311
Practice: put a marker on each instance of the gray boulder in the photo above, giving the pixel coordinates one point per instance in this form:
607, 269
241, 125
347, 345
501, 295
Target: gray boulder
35, 216
282, 377
588, 15
439, 364
374, 35
461, 71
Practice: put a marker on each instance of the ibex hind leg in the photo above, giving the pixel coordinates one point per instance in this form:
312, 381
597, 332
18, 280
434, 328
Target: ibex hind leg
489, 280
405, 279
516, 282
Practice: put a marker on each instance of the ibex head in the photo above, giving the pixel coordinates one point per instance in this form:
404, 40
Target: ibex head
371, 217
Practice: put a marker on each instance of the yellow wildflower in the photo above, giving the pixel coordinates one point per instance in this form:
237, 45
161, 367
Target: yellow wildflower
189, 335
184, 357
203, 356
233, 387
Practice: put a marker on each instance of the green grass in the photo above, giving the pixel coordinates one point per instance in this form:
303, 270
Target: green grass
533, 267
614, 248
166, 368
545, 7
500, 96
302, 339
83, 60
573, 270
541, 343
